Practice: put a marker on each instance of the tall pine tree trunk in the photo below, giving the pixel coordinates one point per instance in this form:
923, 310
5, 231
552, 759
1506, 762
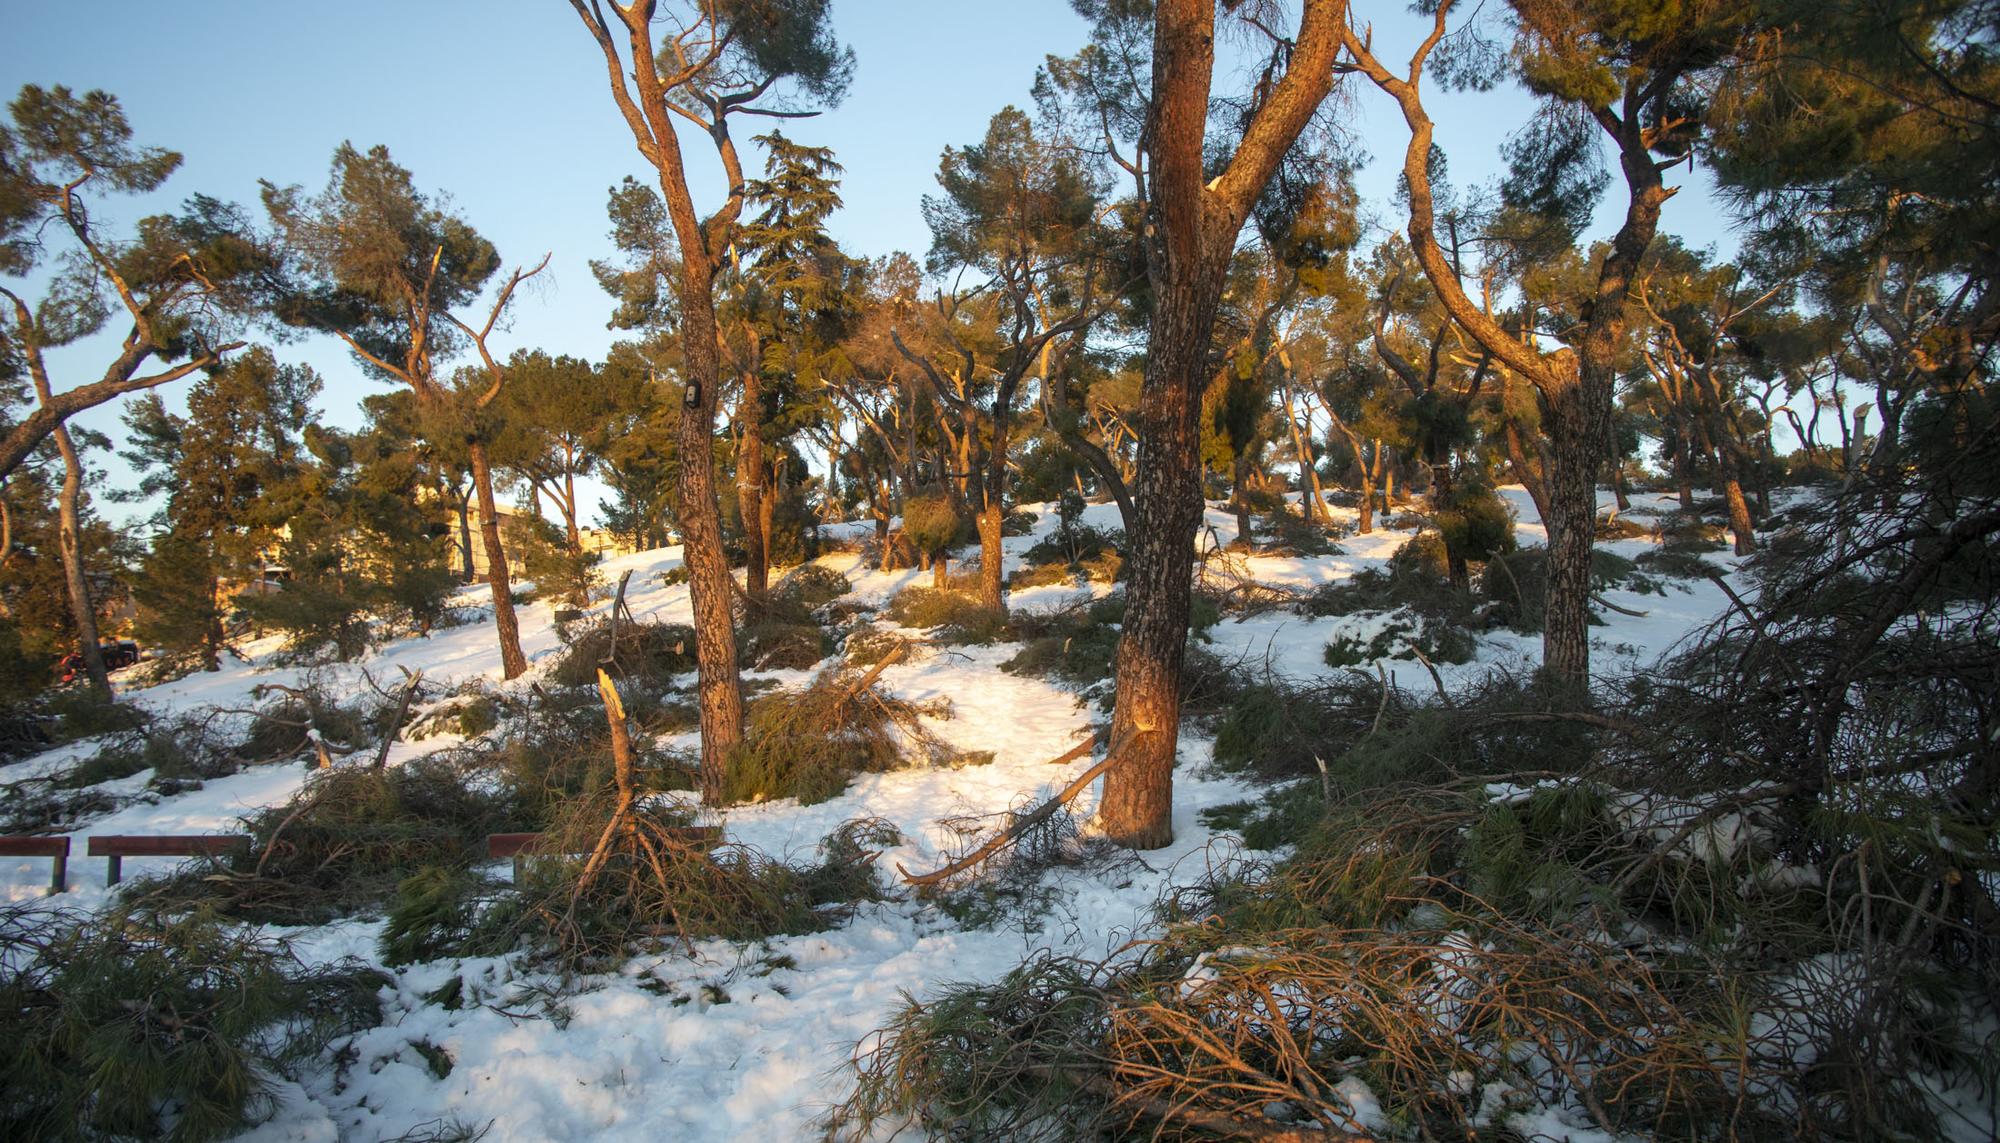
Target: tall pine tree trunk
992, 557
70, 541
1137, 809
750, 492
1729, 462
1525, 468
1312, 507
887, 560
571, 532
1187, 259
1617, 468
993, 510
719, 691
1239, 476
215, 636
1683, 459
513, 663
465, 539
1575, 446
1138, 793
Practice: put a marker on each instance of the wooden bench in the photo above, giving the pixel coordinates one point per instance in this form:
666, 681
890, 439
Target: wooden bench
115, 848
521, 846
55, 847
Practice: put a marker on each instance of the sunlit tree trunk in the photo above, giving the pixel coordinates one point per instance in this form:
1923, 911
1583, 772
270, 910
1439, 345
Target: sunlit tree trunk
513, 663
750, 474
70, 541
1187, 260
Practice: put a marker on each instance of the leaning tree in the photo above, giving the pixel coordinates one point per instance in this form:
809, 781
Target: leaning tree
381, 266
179, 278
1604, 73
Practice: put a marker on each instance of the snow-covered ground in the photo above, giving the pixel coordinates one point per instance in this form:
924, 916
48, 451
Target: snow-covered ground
750, 1041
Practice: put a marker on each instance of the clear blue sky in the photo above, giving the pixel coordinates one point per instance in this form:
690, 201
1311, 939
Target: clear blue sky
504, 104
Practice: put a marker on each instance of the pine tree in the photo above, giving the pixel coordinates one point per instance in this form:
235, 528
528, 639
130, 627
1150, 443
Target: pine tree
786, 303
179, 278
753, 50
1630, 75
357, 549
641, 460
382, 267
553, 424
1196, 217
211, 471
1020, 211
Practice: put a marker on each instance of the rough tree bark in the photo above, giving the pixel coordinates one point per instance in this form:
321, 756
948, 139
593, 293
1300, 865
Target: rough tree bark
648, 109
719, 691
70, 541
513, 663
750, 468
1193, 234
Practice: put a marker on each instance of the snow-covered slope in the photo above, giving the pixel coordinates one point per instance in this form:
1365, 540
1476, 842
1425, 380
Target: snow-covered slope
749, 1041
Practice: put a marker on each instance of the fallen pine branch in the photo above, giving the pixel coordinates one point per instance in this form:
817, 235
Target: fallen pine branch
1605, 603
1024, 822
1214, 1122
1079, 750
894, 656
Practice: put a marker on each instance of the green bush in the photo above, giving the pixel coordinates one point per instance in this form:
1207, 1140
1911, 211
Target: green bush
538, 551
778, 646
1475, 523
183, 748
1043, 575
137, 1025
779, 633
867, 645
733, 893
443, 911
1373, 590
1292, 535
27, 667
566, 752
283, 727
1076, 545
1516, 584
1080, 653
931, 521
79, 713
1422, 555
1620, 528
1079, 645
1677, 564
1019, 522
1687, 532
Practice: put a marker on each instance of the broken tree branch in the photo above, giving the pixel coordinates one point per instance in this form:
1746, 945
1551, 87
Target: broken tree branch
395, 728
1024, 822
